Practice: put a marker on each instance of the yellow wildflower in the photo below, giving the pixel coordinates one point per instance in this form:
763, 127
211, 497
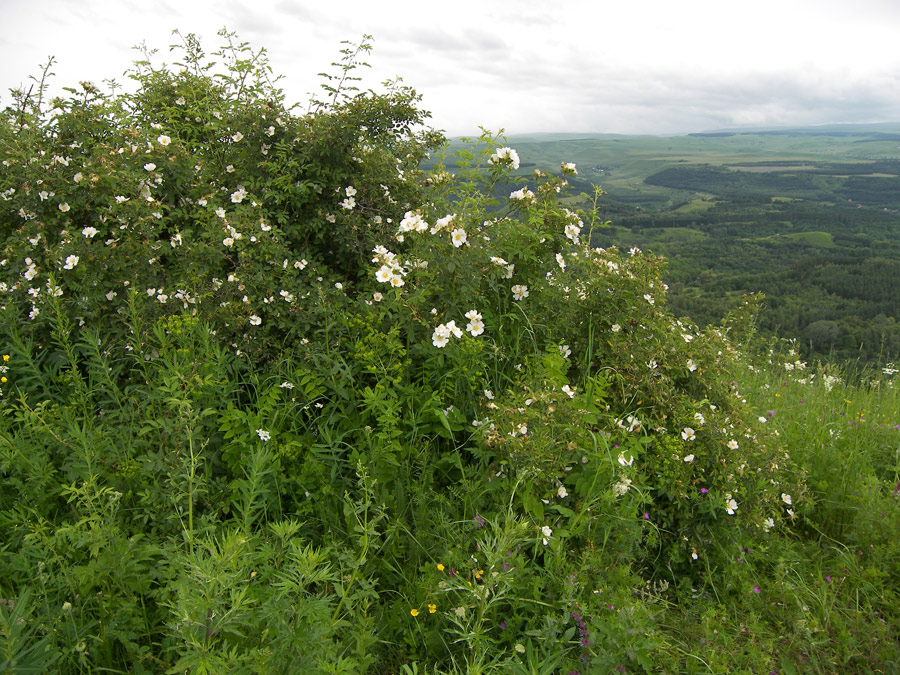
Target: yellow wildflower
440, 567
432, 608
414, 612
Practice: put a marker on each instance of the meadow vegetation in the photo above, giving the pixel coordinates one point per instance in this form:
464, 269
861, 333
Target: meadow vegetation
276, 398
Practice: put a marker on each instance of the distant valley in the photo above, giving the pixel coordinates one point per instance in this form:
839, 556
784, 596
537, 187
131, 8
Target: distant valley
808, 216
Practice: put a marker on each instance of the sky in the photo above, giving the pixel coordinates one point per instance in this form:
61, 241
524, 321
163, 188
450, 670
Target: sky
581, 66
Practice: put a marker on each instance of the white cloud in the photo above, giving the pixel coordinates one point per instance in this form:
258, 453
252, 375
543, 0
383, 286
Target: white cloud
653, 67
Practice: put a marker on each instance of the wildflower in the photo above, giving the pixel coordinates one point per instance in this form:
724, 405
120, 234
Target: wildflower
572, 232
475, 325
149, 166
78, 177
519, 292
786, 498
6, 358
506, 156
348, 203
616, 328
71, 261
688, 458
458, 237
768, 524
414, 612
163, 140
688, 434
732, 444
649, 298
441, 336
377, 296
255, 320
562, 492
440, 567
625, 461
691, 366
432, 608
546, 532
568, 390
565, 350
523, 194
237, 137
384, 274
64, 207
568, 167
519, 648
622, 486
228, 241
263, 434
89, 232
730, 505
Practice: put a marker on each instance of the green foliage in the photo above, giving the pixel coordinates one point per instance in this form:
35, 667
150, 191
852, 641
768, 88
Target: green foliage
277, 398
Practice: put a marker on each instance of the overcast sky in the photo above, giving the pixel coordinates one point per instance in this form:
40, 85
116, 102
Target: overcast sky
629, 66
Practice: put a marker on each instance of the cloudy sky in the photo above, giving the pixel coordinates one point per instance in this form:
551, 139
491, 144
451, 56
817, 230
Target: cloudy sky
636, 66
